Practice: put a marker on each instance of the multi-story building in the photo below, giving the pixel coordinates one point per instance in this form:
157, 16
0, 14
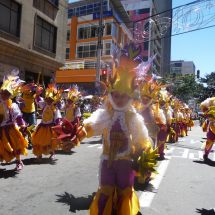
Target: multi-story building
82, 39
164, 9
182, 67
139, 11
32, 37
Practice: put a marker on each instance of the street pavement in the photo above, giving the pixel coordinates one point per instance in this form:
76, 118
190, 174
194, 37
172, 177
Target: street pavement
185, 185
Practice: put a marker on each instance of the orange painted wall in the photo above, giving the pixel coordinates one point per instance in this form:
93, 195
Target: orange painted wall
74, 22
69, 76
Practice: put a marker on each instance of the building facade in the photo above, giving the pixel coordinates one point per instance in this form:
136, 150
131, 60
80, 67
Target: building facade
183, 67
139, 11
164, 8
32, 37
82, 40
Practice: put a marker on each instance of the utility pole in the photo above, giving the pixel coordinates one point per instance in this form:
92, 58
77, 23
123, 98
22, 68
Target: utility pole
99, 48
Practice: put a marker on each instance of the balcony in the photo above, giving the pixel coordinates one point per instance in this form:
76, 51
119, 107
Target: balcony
82, 65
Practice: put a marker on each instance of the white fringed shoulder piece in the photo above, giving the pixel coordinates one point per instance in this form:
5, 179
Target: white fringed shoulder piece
169, 115
208, 102
98, 121
162, 116
137, 128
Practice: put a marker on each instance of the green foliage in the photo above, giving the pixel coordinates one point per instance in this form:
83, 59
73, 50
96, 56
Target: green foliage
191, 87
186, 87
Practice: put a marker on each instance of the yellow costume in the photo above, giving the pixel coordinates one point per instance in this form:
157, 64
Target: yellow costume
12, 143
125, 137
42, 138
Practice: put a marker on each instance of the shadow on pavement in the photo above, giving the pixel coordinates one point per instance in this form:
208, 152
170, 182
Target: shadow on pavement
10, 163
205, 211
31, 161
76, 203
8, 173
208, 162
61, 152
143, 187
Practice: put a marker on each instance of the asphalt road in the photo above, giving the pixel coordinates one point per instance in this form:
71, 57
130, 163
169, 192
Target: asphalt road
185, 185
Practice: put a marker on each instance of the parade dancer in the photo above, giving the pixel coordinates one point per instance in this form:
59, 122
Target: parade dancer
175, 120
207, 107
206, 104
189, 120
125, 139
210, 124
162, 134
12, 142
71, 109
153, 116
182, 119
42, 138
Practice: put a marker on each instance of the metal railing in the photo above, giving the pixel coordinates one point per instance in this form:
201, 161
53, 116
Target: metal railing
82, 65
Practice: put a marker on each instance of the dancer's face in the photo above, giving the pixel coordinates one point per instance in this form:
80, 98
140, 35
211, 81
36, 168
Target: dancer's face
49, 101
162, 103
69, 102
4, 95
120, 100
145, 100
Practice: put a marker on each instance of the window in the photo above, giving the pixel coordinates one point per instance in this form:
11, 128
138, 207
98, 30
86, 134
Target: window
107, 48
146, 43
115, 30
122, 38
68, 34
83, 11
87, 31
55, 2
67, 52
45, 35
135, 26
94, 31
86, 50
142, 11
108, 29
86, 9
178, 64
10, 13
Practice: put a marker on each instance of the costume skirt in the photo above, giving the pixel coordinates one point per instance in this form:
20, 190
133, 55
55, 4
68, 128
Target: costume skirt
42, 139
190, 123
12, 143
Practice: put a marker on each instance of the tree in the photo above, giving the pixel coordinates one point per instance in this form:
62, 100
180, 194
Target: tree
186, 88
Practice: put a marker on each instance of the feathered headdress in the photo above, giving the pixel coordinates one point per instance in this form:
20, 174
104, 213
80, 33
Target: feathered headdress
150, 90
74, 93
52, 91
164, 96
124, 78
174, 103
12, 84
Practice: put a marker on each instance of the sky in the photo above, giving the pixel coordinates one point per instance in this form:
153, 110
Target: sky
197, 46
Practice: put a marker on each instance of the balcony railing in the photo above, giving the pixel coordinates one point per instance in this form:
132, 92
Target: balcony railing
82, 65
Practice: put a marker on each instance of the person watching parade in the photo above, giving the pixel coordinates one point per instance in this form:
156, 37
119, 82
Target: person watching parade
29, 110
